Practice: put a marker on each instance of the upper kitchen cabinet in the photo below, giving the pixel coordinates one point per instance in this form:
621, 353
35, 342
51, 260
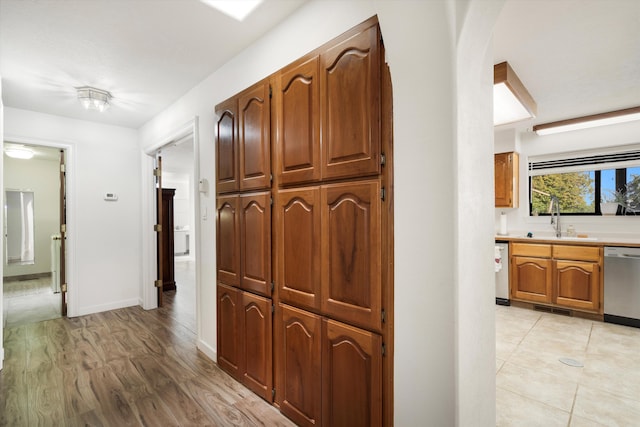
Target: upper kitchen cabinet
298, 122
227, 177
350, 105
328, 111
506, 180
243, 135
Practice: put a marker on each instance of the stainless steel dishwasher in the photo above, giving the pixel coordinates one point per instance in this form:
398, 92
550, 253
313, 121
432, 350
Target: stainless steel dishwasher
622, 285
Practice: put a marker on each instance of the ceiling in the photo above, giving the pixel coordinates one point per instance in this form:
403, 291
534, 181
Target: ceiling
147, 53
576, 57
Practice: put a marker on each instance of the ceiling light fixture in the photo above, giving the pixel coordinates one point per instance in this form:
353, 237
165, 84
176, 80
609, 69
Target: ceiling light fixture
586, 122
236, 9
511, 100
19, 153
94, 99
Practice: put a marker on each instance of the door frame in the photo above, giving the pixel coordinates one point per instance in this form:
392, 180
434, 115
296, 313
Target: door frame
70, 167
149, 243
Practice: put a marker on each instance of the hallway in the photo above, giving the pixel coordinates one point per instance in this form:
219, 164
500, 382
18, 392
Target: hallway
29, 301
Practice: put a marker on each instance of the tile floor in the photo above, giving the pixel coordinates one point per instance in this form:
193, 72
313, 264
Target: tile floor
533, 388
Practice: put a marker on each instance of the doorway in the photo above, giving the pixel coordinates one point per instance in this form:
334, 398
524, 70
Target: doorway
32, 243
179, 182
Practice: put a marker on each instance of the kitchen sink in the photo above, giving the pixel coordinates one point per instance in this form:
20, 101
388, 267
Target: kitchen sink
564, 238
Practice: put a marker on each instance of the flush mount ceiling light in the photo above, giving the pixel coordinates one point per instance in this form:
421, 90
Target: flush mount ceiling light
93, 99
511, 100
18, 153
237, 9
586, 122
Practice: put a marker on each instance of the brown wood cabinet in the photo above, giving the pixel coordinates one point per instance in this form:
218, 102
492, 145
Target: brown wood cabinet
332, 230
506, 180
243, 140
560, 275
168, 267
352, 376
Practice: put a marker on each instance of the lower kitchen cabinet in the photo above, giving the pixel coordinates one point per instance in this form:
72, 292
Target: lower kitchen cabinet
245, 338
330, 373
531, 279
567, 276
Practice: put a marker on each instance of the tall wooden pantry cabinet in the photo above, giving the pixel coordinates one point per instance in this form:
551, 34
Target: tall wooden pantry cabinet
305, 236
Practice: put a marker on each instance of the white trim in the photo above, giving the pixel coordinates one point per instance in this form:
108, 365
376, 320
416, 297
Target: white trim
70, 184
107, 307
209, 351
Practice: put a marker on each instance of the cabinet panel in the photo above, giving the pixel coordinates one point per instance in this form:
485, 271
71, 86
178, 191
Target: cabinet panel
254, 136
350, 106
506, 169
227, 178
300, 366
579, 253
228, 338
299, 123
352, 376
299, 246
255, 247
228, 239
577, 284
531, 279
539, 250
255, 329
351, 283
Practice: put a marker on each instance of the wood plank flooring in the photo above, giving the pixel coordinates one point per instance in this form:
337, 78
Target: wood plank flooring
127, 367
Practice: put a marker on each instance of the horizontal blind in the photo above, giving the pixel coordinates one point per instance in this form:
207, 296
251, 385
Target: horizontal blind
581, 162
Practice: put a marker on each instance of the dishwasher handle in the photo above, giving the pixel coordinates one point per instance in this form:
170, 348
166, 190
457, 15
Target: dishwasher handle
621, 252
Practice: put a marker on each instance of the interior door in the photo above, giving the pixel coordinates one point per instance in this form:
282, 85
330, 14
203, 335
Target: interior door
158, 227
63, 235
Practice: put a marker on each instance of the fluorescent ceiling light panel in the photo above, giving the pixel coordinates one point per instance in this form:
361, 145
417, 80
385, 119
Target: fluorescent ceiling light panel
511, 100
586, 122
237, 9
19, 153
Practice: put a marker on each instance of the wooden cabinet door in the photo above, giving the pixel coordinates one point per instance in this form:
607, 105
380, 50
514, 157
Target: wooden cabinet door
506, 182
298, 122
298, 234
228, 339
577, 284
531, 279
352, 376
256, 343
255, 246
351, 252
254, 137
350, 106
228, 239
227, 177
300, 378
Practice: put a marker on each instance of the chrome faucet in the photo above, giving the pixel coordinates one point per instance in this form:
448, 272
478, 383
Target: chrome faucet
554, 208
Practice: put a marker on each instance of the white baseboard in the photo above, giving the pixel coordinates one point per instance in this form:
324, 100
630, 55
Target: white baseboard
1, 357
209, 351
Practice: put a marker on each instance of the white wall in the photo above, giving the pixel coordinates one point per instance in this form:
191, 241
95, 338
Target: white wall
529, 144
42, 177
104, 238
444, 336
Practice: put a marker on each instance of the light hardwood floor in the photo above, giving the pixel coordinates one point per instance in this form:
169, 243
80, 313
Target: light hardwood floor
126, 367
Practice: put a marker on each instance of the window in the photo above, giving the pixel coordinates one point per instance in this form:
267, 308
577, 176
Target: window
583, 183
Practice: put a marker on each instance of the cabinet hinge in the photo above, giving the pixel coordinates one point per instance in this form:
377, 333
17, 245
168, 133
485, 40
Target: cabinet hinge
157, 283
383, 159
157, 172
271, 201
273, 285
382, 193
383, 316
271, 177
384, 349
273, 393
273, 308
157, 227
270, 92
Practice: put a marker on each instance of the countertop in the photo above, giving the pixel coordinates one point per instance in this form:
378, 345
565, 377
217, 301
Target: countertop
592, 239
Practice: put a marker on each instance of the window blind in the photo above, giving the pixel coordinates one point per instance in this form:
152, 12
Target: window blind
584, 161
